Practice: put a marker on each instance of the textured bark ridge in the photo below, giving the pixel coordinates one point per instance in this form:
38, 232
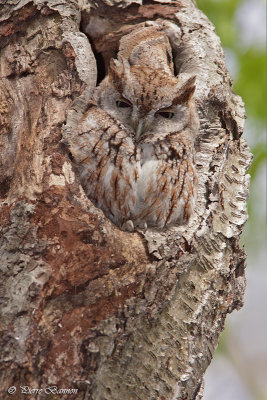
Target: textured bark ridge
85, 306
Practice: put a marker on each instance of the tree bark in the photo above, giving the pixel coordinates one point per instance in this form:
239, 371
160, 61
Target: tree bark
85, 306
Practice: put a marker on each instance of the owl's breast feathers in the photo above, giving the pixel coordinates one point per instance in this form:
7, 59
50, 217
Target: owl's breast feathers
150, 184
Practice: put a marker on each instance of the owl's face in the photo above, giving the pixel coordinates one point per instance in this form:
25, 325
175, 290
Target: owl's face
147, 101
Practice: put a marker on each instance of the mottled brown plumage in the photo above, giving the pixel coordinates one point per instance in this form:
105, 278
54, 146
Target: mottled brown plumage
135, 146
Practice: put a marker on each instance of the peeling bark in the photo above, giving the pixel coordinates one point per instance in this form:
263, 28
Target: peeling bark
85, 306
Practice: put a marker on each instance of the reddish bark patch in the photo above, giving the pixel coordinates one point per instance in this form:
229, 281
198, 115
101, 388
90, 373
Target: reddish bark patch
78, 250
158, 10
74, 328
80, 253
5, 214
16, 22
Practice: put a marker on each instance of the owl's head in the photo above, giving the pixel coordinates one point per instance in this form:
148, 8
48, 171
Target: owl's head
147, 101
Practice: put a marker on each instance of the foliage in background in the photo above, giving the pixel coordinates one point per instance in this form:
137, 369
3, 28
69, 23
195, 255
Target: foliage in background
240, 26
251, 79
249, 60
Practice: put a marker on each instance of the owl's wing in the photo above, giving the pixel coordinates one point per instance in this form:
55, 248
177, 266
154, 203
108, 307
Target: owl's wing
166, 186
108, 165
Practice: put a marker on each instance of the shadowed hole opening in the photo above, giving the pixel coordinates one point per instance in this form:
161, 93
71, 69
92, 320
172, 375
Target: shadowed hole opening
101, 70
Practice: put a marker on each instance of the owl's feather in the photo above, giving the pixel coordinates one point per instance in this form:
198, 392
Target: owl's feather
135, 146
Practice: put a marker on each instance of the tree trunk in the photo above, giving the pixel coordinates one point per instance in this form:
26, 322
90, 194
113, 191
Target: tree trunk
86, 308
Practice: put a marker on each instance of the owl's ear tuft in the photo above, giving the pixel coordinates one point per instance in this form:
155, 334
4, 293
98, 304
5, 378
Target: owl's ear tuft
185, 91
115, 70
118, 69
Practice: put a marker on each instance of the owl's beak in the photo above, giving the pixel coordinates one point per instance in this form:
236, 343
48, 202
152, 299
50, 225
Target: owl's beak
139, 129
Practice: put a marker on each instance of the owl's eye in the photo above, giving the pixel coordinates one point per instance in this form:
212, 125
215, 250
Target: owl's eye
122, 104
166, 114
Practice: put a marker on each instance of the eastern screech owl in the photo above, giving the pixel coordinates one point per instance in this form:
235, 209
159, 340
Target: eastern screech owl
135, 146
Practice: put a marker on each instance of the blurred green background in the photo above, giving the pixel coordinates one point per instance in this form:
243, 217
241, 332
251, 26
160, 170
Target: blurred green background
241, 26
245, 50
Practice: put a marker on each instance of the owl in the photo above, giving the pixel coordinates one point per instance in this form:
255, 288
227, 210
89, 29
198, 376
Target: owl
134, 149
